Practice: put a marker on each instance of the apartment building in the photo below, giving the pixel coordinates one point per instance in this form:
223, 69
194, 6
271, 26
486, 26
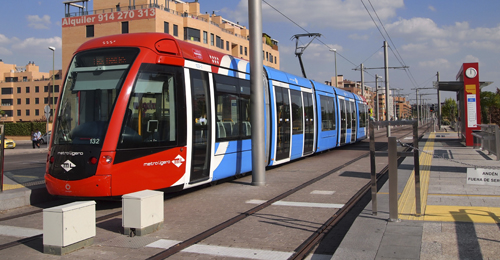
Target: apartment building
25, 91
181, 19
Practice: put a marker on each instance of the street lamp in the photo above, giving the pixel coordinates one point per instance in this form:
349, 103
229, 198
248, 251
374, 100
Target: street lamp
335, 55
53, 49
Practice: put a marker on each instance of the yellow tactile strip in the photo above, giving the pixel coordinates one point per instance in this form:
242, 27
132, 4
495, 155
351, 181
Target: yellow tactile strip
18, 186
440, 213
489, 215
406, 202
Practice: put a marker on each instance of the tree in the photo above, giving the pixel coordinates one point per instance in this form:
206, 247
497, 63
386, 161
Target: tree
449, 110
489, 101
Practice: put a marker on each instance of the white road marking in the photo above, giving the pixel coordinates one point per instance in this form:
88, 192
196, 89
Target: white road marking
19, 231
299, 204
323, 192
225, 251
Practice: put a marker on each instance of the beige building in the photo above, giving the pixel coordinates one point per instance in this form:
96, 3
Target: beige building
181, 19
26, 91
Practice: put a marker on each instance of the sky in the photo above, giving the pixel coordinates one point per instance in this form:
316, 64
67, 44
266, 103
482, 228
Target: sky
427, 36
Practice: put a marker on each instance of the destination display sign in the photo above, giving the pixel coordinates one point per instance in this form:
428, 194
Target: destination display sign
109, 17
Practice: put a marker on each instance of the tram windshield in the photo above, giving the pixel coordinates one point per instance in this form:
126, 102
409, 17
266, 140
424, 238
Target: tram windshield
93, 83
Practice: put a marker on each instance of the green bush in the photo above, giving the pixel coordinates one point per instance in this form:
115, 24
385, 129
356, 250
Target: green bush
24, 128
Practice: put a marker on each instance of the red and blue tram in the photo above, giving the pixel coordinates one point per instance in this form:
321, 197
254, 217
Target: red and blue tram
146, 111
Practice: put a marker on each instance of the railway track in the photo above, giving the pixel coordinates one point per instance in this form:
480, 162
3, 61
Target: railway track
299, 253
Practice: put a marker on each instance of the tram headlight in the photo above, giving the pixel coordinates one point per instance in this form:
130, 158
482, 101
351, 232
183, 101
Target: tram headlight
107, 159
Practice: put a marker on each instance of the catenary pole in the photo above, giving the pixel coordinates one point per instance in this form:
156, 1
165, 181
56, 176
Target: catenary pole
387, 96
362, 81
257, 93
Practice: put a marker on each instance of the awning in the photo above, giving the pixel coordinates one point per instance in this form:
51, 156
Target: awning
456, 85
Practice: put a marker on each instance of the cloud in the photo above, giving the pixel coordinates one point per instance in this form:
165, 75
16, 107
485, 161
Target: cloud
359, 37
339, 14
35, 22
470, 58
432, 8
435, 64
17, 51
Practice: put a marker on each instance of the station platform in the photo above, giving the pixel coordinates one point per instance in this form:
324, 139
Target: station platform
458, 220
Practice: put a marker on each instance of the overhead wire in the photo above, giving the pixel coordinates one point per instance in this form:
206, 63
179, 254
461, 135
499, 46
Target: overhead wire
306, 30
396, 54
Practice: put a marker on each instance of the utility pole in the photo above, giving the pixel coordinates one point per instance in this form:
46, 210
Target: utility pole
439, 103
256, 93
386, 69
362, 81
386, 64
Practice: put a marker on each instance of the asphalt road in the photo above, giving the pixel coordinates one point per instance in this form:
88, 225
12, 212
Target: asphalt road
24, 164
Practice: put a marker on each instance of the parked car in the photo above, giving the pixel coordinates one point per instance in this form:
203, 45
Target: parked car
9, 143
45, 137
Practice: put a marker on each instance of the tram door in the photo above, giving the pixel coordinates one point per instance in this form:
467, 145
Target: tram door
343, 122
348, 120
309, 123
200, 101
354, 121
283, 123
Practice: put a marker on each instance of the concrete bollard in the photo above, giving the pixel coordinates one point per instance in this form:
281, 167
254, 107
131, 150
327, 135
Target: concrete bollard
142, 212
68, 227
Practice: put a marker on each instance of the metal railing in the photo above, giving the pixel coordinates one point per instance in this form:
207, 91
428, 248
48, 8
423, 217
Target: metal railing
393, 153
488, 139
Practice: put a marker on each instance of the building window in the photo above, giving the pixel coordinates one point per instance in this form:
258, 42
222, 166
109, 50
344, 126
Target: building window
191, 34
166, 27
205, 37
18, 89
27, 89
37, 89
176, 30
25, 79
45, 101
19, 112
37, 101
45, 88
37, 112
27, 101
7, 102
56, 88
27, 112
227, 45
212, 39
11, 79
124, 27
19, 101
241, 49
90, 31
218, 42
246, 51
7, 91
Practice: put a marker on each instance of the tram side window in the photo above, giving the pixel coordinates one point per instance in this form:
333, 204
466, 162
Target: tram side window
362, 115
327, 114
151, 118
232, 102
297, 112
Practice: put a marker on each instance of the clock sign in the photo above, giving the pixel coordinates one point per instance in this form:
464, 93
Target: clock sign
471, 73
